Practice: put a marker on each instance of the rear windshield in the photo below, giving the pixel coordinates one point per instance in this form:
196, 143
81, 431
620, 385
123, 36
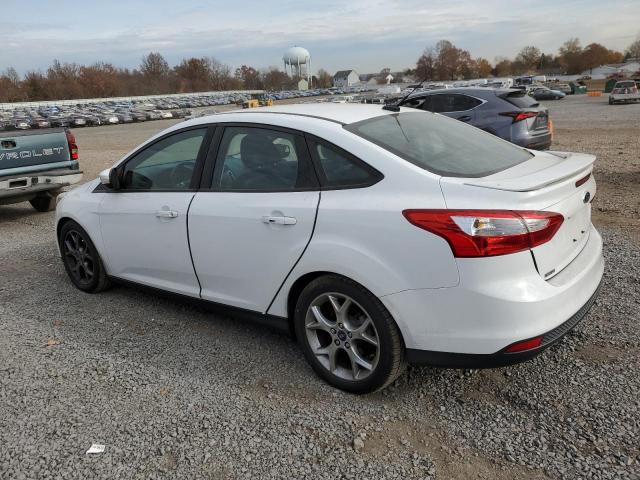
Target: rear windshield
520, 99
440, 145
625, 84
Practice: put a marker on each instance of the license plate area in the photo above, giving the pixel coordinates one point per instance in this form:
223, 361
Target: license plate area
570, 239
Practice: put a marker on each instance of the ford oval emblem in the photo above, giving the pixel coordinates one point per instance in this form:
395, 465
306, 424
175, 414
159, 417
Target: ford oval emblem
587, 197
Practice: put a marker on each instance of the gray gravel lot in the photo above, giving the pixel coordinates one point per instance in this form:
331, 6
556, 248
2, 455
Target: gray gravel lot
177, 392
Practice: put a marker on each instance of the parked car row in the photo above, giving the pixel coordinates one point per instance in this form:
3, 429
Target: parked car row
110, 112
115, 112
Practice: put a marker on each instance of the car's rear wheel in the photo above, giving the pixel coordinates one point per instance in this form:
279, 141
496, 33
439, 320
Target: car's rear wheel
81, 259
348, 336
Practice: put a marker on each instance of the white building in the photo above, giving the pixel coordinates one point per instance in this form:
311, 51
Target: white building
604, 71
345, 78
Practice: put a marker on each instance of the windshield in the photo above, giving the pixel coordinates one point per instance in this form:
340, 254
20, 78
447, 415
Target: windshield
440, 145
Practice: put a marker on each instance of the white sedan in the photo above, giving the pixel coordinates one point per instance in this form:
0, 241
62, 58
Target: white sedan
377, 237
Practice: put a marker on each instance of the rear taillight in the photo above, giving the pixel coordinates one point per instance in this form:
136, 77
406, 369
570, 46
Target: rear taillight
519, 116
73, 146
486, 233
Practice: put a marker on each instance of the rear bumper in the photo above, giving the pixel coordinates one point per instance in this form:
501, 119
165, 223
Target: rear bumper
20, 187
499, 301
501, 358
534, 142
624, 97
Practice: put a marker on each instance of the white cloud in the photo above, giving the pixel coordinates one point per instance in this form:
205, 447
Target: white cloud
488, 28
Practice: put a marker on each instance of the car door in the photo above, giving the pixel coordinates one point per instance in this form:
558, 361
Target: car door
251, 221
144, 222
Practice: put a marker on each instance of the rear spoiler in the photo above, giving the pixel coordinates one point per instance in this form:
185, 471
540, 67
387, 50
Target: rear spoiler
513, 180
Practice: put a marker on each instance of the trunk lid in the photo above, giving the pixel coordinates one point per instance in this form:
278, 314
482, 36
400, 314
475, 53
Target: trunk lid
551, 181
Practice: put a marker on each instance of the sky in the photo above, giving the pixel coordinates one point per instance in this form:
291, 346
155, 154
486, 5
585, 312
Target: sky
365, 35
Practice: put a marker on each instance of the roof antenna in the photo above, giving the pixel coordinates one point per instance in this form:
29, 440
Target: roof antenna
395, 107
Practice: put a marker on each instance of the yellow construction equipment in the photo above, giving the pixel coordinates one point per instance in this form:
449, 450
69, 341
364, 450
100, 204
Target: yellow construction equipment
253, 103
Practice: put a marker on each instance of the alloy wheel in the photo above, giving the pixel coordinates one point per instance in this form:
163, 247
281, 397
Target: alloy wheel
342, 336
78, 258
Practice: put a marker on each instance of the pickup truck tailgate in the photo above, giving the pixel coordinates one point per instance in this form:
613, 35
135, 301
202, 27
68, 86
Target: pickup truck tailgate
31, 148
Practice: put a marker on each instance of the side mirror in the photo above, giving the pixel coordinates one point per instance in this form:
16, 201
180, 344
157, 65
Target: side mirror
104, 176
110, 177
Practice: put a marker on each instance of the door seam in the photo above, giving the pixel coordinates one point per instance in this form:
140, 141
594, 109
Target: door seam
313, 229
193, 265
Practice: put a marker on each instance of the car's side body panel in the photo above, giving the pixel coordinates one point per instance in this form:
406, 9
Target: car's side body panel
242, 259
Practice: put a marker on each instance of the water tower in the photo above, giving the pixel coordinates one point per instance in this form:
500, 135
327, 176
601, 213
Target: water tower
297, 63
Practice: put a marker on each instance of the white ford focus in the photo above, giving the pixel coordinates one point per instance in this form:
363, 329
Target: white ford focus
376, 237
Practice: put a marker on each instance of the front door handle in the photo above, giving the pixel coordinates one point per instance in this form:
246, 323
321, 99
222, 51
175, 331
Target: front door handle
464, 118
279, 220
166, 214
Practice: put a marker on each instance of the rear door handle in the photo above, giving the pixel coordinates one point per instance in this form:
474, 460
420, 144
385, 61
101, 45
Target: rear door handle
166, 214
279, 220
464, 118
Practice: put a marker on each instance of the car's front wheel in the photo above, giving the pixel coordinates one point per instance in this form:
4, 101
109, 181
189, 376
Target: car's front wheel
81, 259
348, 336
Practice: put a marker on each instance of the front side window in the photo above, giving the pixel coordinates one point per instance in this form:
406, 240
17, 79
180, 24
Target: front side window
165, 165
259, 159
440, 145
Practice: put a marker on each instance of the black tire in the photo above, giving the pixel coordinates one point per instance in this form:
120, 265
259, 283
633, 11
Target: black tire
83, 261
44, 202
390, 357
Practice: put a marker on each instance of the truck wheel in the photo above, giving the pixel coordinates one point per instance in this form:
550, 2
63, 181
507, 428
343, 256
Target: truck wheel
44, 202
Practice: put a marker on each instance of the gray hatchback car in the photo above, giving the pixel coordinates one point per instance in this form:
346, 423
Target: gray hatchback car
510, 114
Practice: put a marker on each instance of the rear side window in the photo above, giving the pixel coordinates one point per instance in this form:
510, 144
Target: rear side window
443, 103
440, 145
520, 99
338, 169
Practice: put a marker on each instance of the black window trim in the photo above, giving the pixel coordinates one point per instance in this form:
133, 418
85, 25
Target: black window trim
197, 170
374, 174
206, 184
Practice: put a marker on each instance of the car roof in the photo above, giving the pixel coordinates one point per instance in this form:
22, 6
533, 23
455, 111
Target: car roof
343, 113
479, 91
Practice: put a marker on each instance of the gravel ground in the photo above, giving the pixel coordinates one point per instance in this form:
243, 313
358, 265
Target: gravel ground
177, 392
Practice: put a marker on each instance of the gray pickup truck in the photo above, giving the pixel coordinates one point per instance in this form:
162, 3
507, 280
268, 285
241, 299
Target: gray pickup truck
35, 165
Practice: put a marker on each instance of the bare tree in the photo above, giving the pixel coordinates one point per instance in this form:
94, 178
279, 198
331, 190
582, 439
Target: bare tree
324, 79
426, 65
528, 58
633, 50
570, 56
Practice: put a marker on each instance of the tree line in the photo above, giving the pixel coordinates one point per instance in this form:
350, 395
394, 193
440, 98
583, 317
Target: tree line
445, 61
154, 75
65, 81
